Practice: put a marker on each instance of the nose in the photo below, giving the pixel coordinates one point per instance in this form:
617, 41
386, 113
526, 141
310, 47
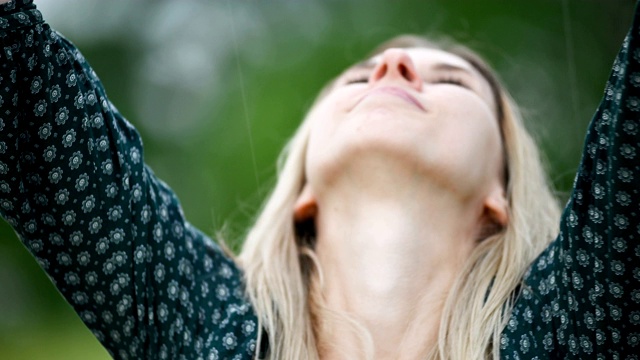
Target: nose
396, 66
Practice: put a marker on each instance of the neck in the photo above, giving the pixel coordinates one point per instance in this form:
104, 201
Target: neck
389, 260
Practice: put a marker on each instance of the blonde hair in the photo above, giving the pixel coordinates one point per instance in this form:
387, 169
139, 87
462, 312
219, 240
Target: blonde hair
280, 266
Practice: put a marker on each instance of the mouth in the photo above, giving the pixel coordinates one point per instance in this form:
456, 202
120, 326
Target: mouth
395, 91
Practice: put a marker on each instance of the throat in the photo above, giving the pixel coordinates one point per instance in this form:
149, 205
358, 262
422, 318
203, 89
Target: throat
388, 267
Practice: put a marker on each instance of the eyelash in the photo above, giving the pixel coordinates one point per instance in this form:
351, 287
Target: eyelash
451, 80
443, 80
357, 80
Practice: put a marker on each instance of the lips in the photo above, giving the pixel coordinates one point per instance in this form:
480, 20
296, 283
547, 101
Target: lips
395, 91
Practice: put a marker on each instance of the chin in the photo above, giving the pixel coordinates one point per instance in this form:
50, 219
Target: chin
373, 156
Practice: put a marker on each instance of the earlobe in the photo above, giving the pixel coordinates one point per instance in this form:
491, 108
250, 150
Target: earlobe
306, 206
497, 207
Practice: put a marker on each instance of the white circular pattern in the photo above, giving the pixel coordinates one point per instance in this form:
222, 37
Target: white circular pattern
584, 289
109, 233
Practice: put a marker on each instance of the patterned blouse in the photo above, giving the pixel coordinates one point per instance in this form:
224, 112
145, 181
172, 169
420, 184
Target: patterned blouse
113, 238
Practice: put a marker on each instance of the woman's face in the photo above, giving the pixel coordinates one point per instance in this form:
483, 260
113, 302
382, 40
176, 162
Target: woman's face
425, 109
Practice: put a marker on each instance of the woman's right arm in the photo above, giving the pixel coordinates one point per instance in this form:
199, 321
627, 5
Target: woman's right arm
110, 235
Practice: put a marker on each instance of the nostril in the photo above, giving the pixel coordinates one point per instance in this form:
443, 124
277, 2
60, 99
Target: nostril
382, 72
405, 72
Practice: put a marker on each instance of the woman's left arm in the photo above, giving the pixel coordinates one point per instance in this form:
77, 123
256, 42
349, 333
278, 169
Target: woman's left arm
582, 295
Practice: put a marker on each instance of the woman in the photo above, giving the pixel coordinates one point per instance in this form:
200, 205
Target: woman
380, 239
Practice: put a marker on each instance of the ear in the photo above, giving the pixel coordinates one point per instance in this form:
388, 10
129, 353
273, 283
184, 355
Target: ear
306, 207
496, 207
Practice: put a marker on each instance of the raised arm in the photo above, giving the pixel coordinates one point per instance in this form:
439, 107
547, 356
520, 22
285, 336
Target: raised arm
582, 295
111, 236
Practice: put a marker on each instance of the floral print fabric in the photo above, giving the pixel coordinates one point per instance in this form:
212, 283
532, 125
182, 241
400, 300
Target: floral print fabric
110, 235
581, 297
113, 238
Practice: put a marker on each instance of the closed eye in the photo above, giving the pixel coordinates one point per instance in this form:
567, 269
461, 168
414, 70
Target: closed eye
451, 80
357, 80
444, 80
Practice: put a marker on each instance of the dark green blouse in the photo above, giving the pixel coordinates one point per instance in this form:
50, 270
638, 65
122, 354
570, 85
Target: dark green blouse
113, 238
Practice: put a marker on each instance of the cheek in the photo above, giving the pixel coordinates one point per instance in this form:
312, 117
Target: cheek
329, 112
471, 130
323, 119
467, 115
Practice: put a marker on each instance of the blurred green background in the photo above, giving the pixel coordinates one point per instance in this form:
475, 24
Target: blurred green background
216, 87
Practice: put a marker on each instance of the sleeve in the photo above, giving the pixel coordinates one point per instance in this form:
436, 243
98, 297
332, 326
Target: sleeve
582, 295
110, 235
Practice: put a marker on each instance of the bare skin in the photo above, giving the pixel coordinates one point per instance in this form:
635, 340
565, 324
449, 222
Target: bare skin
404, 173
390, 265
